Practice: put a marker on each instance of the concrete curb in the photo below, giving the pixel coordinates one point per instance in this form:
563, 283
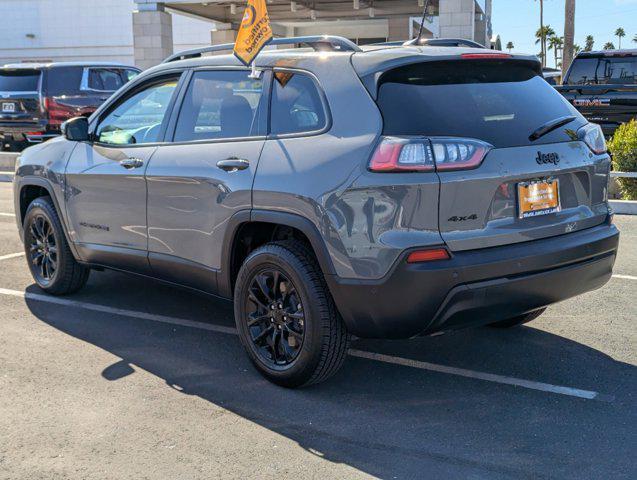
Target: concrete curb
624, 207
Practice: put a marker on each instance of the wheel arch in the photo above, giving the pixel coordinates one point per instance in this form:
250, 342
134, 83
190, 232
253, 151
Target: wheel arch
272, 220
31, 188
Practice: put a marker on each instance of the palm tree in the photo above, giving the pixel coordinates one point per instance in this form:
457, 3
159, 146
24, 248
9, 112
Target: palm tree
590, 41
619, 33
576, 49
635, 38
541, 35
556, 43
609, 46
510, 46
569, 34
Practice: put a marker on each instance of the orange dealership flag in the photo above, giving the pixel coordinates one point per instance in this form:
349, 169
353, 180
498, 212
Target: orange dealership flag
254, 33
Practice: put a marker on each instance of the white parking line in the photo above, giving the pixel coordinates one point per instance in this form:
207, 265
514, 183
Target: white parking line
11, 255
7, 215
625, 277
489, 377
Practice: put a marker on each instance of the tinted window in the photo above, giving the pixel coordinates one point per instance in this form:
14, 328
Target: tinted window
221, 105
19, 80
296, 104
129, 74
138, 118
603, 70
496, 102
105, 79
63, 81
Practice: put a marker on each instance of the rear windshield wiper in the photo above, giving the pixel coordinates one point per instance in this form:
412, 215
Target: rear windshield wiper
550, 126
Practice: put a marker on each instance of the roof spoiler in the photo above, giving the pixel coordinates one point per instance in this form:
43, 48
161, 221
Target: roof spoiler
320, 43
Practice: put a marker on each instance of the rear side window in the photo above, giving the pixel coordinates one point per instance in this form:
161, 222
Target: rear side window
297, 106
500, 102
105, 79
19, 80
603, 71
221, 105
63, 81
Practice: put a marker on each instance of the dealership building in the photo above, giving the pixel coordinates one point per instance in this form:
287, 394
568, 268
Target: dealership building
143, 32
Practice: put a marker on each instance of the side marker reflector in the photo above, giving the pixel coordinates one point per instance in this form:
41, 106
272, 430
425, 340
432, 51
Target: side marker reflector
420, 256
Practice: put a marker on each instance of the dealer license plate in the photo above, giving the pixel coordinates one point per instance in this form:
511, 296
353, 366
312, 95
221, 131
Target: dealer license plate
8, 107
538, 198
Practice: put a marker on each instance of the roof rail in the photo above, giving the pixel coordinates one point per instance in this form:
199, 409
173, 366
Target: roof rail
317, 42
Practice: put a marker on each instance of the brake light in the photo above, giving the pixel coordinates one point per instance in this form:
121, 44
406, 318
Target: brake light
399, 154
484, 56
593, 136
57, 112
431, 255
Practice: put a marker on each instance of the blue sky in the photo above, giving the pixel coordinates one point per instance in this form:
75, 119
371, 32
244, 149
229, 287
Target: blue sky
518, 20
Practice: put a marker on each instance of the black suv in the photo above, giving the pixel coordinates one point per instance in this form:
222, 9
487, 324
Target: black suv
35, 99
603, 87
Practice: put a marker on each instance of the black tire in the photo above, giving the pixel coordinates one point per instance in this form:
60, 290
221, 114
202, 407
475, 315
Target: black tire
325, 340
517, 321
61, 274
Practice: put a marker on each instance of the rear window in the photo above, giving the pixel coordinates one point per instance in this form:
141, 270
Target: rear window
603, 71
63, 81
500, 102
19, 80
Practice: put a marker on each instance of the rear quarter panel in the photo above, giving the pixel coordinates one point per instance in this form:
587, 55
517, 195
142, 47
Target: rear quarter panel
366, 220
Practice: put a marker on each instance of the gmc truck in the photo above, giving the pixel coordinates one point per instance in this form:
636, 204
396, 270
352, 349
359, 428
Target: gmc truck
602, 85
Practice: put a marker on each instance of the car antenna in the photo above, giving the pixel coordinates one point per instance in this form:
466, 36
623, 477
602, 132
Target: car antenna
422, 22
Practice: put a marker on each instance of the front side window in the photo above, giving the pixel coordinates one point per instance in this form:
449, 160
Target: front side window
105, 79
221, 105
137, 119
296, 104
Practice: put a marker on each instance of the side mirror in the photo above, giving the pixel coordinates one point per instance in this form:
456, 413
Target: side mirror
76, 129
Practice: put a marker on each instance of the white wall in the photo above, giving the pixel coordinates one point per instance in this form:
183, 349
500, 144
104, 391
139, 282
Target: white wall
68, 30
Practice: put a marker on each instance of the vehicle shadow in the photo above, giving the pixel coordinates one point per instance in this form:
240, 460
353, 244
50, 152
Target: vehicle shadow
385, 420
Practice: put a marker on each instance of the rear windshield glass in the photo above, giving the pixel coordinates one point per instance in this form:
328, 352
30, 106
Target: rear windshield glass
19, 80
500, 102
603, 71
64, 81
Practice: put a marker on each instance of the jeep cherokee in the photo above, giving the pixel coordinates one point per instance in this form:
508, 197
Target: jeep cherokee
331, 191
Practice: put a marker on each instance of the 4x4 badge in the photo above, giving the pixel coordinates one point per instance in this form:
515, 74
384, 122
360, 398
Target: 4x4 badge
543, 158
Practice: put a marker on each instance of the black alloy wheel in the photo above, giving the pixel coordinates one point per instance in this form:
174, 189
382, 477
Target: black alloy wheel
276, 320
43, 249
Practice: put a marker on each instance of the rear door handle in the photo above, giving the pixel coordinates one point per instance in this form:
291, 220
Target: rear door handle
130, 163
233, 164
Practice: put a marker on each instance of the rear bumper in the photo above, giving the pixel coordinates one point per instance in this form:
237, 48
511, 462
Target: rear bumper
27, 131
477, 287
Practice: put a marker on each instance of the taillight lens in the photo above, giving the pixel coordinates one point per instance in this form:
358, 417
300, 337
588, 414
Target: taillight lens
400, 154
58, 113
431, 255
593, 136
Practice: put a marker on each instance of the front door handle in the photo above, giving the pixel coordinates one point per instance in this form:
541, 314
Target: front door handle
130, 163
233, 164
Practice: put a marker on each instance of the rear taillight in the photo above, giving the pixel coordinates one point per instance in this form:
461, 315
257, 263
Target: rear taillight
593, 136
400, 154
58, 113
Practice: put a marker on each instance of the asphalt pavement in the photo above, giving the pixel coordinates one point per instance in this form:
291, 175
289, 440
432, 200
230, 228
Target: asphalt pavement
135, 379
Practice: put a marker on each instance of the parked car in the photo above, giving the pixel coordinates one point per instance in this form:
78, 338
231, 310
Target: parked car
552, 75
35, 99
603, 87
383, 193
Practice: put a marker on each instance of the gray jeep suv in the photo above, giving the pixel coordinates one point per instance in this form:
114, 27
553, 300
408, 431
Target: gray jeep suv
386, 193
